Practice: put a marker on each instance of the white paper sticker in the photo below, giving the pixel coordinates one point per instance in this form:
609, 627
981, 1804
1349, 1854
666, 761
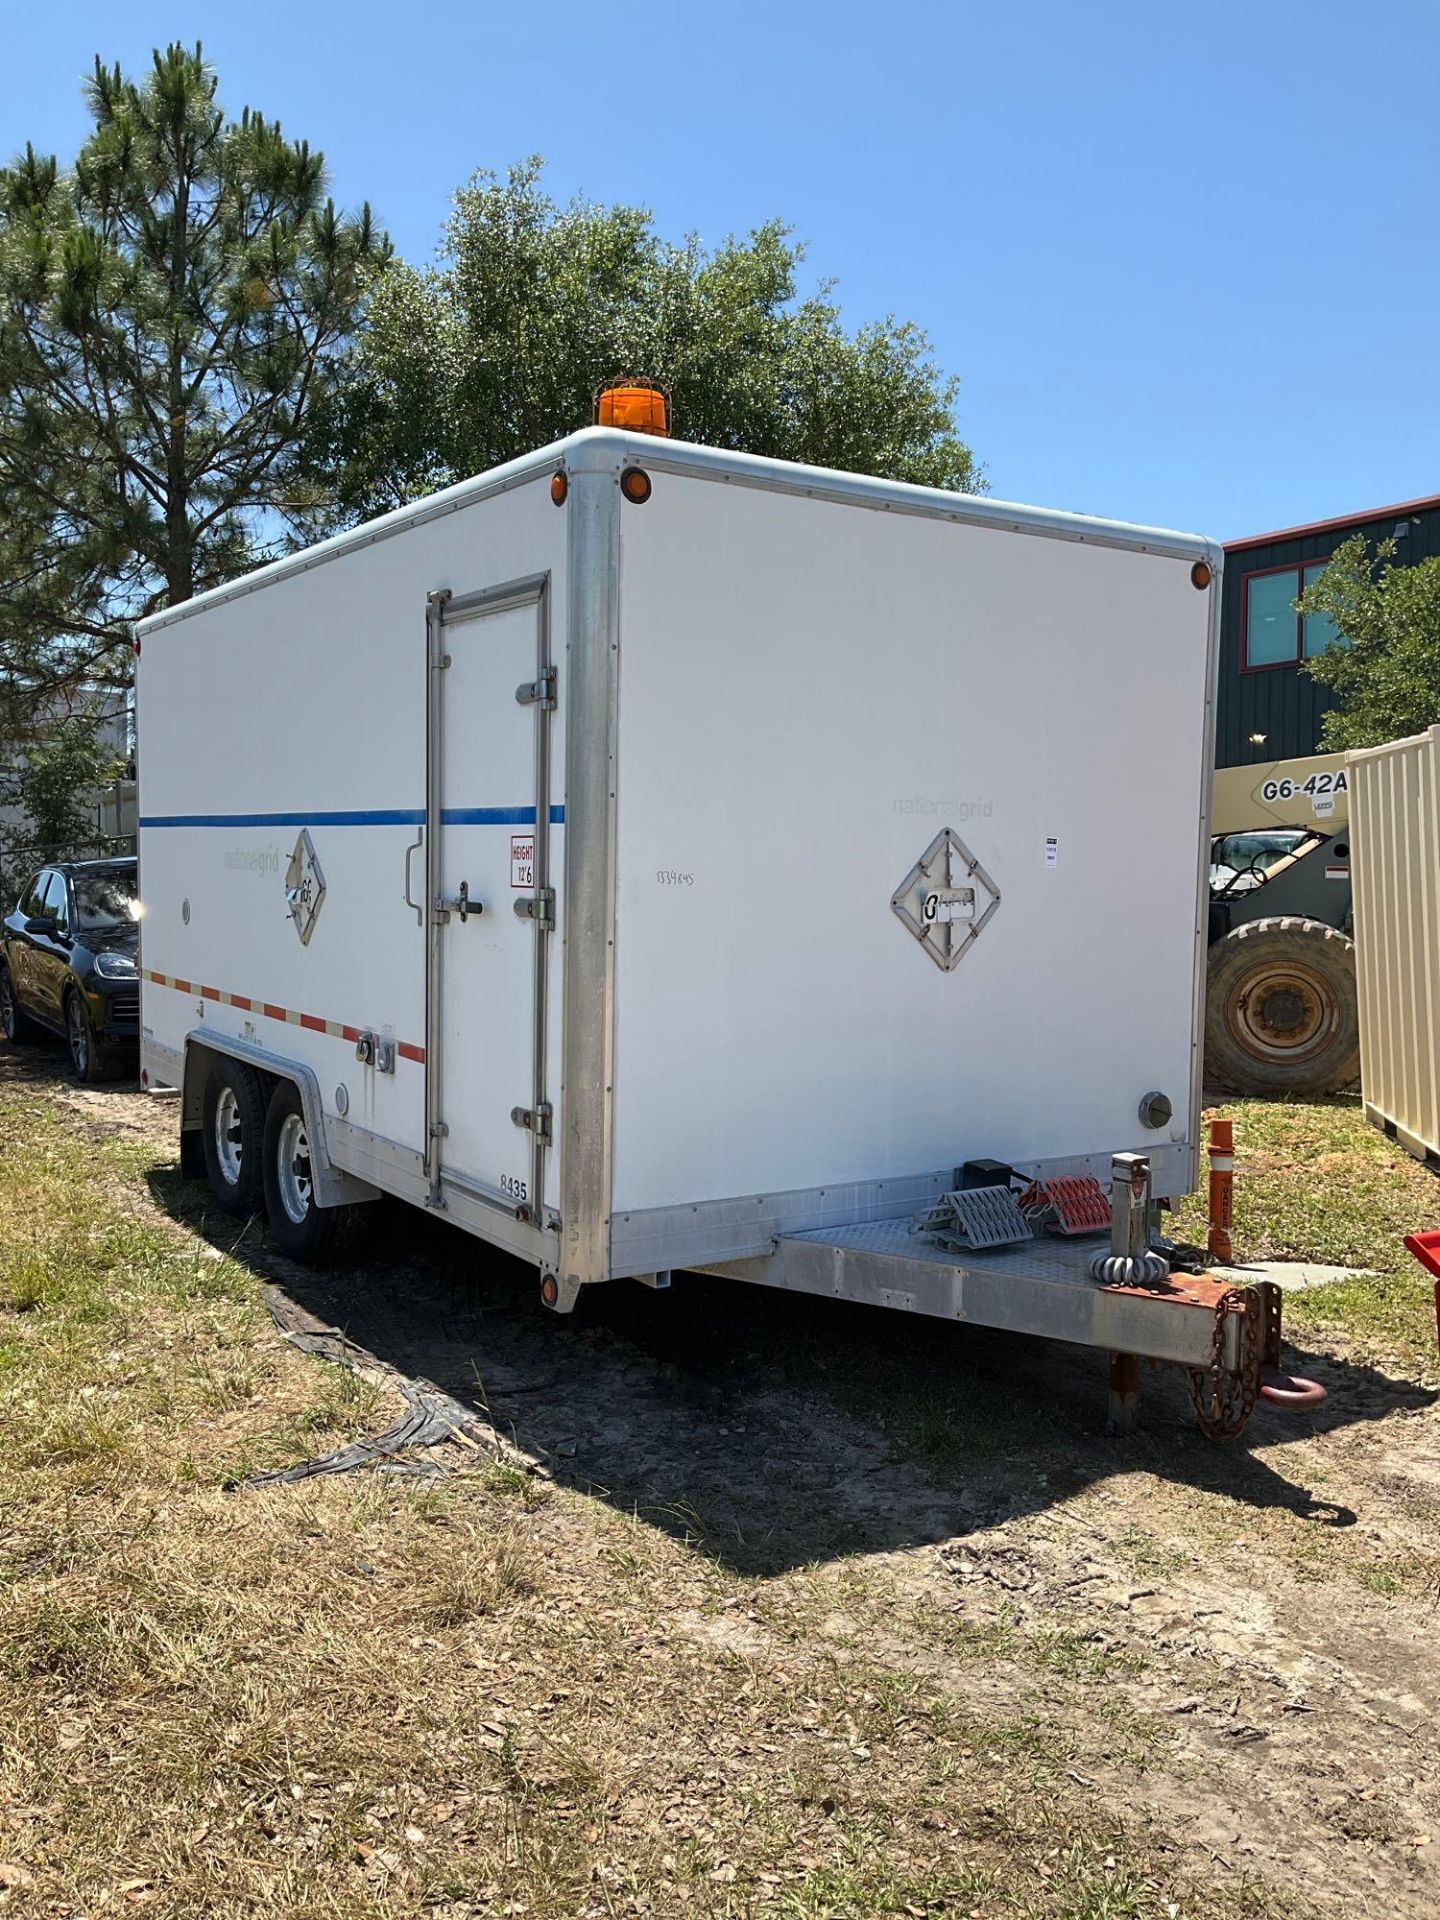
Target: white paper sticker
1052, 851
522, 861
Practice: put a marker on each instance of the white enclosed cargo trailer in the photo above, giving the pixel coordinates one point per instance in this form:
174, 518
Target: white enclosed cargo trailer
692, 870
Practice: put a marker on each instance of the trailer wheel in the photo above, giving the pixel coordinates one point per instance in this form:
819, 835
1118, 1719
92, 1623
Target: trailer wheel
233, 1132
302, 1228
1281, 1012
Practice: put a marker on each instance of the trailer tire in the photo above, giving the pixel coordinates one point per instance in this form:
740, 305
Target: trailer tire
233, 1135
1281, 1013
302, 1229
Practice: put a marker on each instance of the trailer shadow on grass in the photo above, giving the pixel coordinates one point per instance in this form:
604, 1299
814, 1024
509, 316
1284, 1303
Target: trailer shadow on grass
773, 1430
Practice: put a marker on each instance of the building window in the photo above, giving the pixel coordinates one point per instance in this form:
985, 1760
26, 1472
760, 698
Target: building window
1275, 634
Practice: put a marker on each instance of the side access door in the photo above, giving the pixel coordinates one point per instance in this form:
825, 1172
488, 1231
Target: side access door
491, 904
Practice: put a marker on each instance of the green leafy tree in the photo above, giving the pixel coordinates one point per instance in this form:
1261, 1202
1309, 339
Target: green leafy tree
171, 309
1387, 679
499, 348
53, 783
57, 783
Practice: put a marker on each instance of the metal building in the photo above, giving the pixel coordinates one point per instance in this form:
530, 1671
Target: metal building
1269, 708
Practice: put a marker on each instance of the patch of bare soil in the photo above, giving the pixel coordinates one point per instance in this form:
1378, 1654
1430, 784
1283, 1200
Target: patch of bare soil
1239, 1646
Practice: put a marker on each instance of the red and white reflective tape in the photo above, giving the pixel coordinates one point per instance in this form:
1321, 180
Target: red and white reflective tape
1218, 1243
312, 1022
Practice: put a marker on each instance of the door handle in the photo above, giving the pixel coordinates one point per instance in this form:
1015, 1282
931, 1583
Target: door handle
414, 905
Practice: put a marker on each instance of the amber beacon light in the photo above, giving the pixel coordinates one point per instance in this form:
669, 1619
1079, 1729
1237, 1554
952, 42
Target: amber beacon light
636, 409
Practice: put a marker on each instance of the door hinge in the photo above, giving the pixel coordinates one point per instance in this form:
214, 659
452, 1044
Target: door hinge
540, 908
539, 692
535, 1119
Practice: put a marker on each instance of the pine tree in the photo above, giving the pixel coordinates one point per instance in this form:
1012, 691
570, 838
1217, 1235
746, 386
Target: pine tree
172, 308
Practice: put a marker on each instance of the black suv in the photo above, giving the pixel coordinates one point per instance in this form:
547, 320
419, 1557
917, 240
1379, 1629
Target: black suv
69, 960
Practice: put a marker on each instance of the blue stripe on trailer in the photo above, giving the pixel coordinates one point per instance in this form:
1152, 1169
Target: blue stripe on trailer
497, 816
379, 817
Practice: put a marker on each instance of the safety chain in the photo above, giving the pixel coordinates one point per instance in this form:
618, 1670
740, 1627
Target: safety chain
1224, 1401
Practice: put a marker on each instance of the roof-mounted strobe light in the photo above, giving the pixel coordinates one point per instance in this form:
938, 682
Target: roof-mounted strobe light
633, 408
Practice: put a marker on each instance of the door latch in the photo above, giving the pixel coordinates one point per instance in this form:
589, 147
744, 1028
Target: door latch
535, 1120
540, 908
376, 1050
462, 904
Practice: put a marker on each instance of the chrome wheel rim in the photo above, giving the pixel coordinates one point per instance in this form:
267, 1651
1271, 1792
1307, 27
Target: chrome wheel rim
292, 1151
229, 1146
79, 1036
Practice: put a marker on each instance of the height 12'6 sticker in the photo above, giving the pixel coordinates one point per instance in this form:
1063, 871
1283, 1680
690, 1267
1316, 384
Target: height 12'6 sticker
522, 860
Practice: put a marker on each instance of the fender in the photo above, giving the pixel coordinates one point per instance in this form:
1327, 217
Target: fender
333, 1186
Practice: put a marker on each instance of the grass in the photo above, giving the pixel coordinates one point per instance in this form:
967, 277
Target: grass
368, 1696
1314, 1181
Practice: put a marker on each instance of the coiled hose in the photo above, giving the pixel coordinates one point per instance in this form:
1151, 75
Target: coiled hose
1129, 1269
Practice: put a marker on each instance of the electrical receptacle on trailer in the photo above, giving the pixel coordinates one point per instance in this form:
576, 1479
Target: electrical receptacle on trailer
659, 858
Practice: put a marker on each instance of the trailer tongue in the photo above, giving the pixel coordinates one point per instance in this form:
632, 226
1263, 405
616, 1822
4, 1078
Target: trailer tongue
1224, 1334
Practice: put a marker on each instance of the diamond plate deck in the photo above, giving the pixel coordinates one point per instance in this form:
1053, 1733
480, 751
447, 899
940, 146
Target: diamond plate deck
1040, 1259
1043, 1288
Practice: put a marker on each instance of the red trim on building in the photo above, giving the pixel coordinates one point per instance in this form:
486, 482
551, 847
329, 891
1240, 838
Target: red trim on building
1341, 525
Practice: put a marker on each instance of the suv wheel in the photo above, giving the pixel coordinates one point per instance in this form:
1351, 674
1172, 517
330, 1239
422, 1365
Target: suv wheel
89, 1059
18, 1027
234, 1129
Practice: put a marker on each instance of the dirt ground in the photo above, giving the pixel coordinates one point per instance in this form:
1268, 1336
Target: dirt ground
1237, 1646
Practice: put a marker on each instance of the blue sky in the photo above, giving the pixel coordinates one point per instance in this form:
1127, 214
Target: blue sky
1183, 258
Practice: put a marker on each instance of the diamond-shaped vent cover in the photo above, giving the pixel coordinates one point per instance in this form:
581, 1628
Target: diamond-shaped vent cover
304, 887
945, 899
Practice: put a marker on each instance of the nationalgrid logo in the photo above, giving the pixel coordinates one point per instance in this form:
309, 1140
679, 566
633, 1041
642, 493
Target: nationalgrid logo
940, 807
257, 860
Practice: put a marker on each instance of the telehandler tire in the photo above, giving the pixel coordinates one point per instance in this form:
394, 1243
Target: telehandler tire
1281, 1014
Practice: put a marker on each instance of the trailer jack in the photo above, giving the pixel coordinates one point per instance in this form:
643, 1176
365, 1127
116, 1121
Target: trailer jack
1244, 1359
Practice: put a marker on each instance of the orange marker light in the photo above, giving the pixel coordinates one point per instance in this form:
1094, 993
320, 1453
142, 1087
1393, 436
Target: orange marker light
1200, 575
635, 485
559, 487
635, 409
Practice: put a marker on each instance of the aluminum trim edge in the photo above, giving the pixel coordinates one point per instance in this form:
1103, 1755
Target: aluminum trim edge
590, 687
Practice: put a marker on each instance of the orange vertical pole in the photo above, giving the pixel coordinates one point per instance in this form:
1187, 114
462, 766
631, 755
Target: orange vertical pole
1222, 1190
